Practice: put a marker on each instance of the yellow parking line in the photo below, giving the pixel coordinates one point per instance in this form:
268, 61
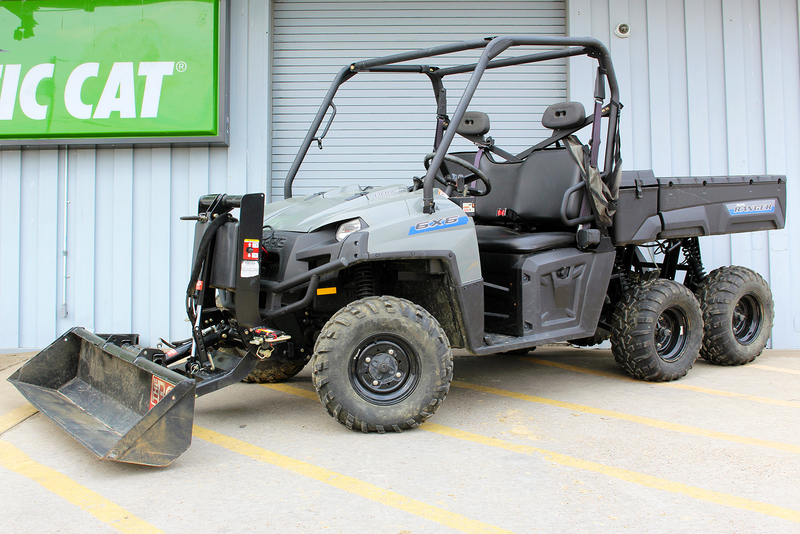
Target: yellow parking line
641, 479
348, 484
569, 461
675, 427
664, 425
16, 416
698, 389
293, 390
103, 509
778, 369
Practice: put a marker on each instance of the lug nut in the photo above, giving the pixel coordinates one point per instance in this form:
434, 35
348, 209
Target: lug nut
398, 375
391, 351
374, 382
367, 359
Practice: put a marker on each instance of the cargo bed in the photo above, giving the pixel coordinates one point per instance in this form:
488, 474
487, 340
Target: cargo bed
651, 208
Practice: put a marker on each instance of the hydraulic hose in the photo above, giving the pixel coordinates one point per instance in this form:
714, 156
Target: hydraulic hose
202, 253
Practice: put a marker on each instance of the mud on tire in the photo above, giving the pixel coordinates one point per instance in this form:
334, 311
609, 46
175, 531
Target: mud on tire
382, 364
738, 312
599, 336
657, 329
270, 371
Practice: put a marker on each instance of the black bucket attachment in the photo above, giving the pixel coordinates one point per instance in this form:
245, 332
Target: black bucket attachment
113, 400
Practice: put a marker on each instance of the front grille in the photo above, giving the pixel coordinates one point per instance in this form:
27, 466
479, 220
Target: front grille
271, 266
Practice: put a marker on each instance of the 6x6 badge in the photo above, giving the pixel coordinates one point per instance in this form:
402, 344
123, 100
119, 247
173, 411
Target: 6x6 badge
437, 224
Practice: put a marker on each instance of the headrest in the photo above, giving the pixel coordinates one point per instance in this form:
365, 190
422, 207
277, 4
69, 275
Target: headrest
564, 115
474, 123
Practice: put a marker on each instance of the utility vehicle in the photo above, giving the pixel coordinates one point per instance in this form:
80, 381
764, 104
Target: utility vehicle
491, 252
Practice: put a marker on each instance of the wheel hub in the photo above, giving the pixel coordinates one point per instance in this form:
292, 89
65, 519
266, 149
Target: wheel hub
746, 319
383, 369
670, 334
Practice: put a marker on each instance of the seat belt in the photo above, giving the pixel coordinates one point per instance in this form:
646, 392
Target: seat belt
599, 96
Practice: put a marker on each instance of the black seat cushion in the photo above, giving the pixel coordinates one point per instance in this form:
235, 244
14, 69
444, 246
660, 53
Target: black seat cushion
504, 239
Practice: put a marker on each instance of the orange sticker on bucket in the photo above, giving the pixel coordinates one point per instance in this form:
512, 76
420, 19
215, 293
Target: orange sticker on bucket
158, 390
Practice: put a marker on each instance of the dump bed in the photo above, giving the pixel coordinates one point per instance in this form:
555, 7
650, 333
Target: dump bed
651, 208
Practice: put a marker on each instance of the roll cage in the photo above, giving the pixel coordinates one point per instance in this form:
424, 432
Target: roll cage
492, 47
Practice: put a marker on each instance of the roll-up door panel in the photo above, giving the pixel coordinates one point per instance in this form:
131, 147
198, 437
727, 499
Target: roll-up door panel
385, 122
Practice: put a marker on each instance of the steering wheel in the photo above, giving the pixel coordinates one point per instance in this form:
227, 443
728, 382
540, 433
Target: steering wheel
467, 165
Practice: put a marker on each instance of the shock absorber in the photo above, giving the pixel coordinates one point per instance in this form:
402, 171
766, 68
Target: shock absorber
365, 280
691, 250
622, 269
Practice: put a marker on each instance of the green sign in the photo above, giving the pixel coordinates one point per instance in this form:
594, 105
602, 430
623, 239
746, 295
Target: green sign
112, 71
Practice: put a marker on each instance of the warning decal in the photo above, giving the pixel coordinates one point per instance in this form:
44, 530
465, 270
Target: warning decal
249, 269
250, 249
158, 390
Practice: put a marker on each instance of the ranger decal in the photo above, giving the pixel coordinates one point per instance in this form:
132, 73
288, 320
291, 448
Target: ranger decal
752, 206
437, 224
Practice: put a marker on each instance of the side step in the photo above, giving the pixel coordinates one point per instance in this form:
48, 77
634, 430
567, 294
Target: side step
113, 400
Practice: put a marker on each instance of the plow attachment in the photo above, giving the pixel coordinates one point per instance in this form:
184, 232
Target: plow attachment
113, 400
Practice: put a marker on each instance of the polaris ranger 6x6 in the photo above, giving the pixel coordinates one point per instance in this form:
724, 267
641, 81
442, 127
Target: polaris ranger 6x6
374, 286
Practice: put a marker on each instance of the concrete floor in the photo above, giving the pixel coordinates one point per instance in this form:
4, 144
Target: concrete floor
556, 441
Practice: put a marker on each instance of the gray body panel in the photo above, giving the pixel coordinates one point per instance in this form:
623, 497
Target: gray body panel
394, 221
548, 296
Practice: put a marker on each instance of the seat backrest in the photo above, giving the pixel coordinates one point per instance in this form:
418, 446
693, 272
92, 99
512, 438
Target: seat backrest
474, 123
533, 189
564, 116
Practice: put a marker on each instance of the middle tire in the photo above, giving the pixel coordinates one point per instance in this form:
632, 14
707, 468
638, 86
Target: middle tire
382, 364
657, 329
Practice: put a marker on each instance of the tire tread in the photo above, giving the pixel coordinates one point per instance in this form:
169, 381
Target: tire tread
346, 318
718, 291
632, 342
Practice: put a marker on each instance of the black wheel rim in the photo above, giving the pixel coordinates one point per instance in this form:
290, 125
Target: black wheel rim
384, 369
670, 334
746, 320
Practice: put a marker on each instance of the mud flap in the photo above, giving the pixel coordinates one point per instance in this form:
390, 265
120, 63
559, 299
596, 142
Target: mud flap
113, 400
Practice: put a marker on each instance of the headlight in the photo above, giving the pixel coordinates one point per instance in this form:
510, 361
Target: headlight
347, 228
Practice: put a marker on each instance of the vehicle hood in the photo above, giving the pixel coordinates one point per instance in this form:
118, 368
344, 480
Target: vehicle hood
310, 213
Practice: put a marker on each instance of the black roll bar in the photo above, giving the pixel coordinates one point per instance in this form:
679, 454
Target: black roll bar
492, 47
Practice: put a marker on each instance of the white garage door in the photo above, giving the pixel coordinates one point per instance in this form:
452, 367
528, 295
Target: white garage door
385, 122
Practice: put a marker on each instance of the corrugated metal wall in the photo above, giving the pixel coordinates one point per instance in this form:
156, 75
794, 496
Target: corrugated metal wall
127, 253
711, 88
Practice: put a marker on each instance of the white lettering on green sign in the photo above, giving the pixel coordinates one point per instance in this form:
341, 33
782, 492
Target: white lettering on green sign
119, 92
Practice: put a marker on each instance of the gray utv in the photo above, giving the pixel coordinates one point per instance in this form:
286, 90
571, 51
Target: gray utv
491, 252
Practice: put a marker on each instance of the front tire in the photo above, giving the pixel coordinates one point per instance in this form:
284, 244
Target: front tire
656, 332
382, 364
738, 311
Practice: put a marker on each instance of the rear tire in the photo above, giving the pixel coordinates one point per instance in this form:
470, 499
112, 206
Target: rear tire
657, 329
382, 364
738, 311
